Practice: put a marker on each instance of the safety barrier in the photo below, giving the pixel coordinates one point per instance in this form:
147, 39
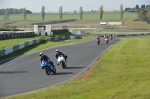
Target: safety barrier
59, 38
15, 34
14, 48
122, 34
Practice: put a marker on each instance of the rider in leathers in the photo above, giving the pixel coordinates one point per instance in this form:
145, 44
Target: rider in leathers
58, 53
45, 57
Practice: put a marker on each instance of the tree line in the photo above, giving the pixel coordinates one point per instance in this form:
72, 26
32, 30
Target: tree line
143, 14
14, 11
81, 12
23, 11
20, 11
137, 7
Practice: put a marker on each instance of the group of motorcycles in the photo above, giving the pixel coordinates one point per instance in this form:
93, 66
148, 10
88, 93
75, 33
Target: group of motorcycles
106, 38
50, 69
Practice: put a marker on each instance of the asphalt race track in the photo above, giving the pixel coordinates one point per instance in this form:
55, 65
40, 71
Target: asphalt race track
23, 73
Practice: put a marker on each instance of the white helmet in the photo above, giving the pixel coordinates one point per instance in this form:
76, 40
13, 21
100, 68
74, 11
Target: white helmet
57, 50
41, 53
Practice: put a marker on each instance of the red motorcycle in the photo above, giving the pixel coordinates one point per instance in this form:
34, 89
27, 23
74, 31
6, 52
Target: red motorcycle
98, 41
107, 40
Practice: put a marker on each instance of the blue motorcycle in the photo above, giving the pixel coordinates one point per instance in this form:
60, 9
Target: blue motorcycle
49, 69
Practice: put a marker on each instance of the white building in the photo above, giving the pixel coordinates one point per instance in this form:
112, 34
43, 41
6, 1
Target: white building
46, 29
115, 23
103, 23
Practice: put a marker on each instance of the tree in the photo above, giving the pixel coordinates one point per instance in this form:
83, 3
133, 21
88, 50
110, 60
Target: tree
121, 11
126, 9
148, 14
60, 12
28, 12
137, 7
75, 11
7, 13
24, 13
101, 12
81, 13
92, 10
14, 11
148, 7
142, 15
142, 6
43, 12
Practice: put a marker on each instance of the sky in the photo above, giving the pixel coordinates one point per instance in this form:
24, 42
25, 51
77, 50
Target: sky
71, 5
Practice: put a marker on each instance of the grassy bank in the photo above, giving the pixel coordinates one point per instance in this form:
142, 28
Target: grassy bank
121, 73
14, 41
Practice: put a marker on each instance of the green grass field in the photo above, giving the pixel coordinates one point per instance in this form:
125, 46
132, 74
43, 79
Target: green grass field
123, 72
88, 18
11, 42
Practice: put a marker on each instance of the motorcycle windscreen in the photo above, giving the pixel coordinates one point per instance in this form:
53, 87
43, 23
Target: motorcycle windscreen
44, 62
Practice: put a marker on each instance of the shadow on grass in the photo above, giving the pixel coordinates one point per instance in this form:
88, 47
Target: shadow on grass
12, 72
7, 58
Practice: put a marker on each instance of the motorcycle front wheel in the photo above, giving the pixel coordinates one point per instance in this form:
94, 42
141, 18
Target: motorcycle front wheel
63, 65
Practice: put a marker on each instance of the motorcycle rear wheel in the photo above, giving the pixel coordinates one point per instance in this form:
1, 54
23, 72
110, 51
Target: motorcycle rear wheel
47, 70
54, 70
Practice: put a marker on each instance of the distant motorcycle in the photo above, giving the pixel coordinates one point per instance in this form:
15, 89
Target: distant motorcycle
61, 61
107, 40
49, 69
98, 41
111, 37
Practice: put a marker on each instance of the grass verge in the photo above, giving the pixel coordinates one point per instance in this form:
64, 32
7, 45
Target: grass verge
14, 41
